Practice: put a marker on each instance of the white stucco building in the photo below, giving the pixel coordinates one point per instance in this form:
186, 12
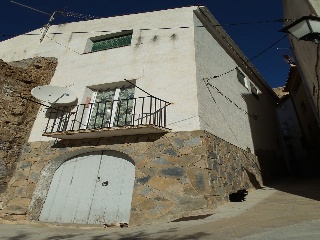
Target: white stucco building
170, 54
174, 55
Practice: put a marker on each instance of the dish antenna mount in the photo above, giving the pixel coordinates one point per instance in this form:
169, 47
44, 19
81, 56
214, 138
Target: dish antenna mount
46, 27
54, 95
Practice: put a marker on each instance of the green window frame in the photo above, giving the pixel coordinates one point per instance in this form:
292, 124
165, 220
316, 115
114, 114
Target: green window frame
112, 42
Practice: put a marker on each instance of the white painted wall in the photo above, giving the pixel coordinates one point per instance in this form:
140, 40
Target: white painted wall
226, 119
164, 67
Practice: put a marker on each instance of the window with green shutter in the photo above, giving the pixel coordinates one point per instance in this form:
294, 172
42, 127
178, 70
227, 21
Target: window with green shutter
113, 42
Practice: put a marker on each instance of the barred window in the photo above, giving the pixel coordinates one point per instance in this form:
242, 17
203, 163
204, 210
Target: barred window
111, 42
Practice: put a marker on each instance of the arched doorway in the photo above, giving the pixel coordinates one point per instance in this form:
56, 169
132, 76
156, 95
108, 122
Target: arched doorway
92, 188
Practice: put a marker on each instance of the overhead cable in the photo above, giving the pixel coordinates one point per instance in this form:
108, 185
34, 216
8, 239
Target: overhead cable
250, 59
141, 29
220, 92
37, 10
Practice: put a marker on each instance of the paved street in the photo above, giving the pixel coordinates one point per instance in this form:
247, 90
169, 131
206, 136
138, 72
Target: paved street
287, 210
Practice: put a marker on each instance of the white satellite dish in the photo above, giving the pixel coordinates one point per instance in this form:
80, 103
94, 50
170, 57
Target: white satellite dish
54, 94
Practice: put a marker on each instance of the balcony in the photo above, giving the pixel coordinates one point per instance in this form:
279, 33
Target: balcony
143, 115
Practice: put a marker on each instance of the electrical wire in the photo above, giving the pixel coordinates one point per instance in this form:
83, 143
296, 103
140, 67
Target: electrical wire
250, 59
227, 98
225, 120
51, 39
146, 92
37, 10
102, 31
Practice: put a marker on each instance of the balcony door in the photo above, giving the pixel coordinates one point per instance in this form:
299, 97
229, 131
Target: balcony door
111, 108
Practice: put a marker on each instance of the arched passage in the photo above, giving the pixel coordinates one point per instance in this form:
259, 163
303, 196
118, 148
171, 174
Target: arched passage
91, 188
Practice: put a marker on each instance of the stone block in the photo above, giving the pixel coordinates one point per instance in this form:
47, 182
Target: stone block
170, 152
19, 183
199, 179
15, 210
195, 141
184, 160
137, 199
23, 165
189, 191
176, 190
189, 204
159, 161
20, 175
201, 164
141, 161
33, 178
30, 190
146, 191
37, 167
20, 192
185, 150
201, 150
143, 180
148, 204
150, 171
174, 172
22, 202
162, 183
177, 142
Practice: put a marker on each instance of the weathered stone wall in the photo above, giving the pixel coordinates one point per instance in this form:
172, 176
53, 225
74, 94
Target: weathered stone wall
177, 174
17, 115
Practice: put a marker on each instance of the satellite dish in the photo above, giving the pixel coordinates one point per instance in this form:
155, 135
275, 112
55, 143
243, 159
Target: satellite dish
54, 94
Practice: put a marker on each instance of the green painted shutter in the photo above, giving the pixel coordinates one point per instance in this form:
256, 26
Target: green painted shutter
110, 43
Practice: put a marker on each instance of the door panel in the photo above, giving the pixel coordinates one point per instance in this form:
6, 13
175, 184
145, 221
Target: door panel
126, 192
53, 208
105, 203
88, 178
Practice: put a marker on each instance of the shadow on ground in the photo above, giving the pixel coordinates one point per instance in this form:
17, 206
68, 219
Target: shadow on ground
304, 187
108, 236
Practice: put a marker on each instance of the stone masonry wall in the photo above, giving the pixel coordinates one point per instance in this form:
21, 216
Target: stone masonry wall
177, 174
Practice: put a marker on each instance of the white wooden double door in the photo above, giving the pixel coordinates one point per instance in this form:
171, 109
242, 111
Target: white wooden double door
92, 188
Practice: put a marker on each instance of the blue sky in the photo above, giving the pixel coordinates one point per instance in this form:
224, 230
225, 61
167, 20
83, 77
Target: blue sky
251, 38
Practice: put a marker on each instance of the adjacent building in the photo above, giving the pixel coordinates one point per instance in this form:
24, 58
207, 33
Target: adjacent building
304, 82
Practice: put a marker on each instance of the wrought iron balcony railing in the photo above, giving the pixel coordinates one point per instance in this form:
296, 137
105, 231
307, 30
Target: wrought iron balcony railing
109, 114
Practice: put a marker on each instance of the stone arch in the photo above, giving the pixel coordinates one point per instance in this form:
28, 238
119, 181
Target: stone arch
48, 172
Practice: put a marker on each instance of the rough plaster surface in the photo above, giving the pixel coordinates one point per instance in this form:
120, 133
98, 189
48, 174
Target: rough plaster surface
17, 115
177, 174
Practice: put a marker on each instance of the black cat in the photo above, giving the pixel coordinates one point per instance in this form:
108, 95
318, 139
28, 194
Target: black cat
239, 196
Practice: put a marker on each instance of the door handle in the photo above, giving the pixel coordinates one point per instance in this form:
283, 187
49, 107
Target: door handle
105, 183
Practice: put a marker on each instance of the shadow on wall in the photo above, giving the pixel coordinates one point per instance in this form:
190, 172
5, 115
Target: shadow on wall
265, 136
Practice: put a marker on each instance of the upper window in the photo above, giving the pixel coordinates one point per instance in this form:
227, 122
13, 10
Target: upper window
110, 41
242, 78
